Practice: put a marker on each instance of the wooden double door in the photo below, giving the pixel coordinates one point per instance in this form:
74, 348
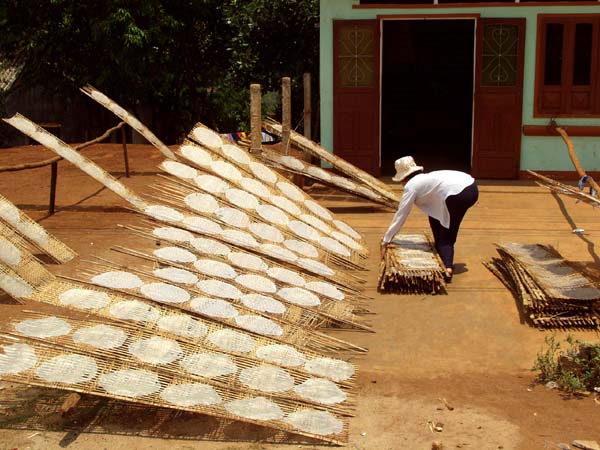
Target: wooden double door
497, 96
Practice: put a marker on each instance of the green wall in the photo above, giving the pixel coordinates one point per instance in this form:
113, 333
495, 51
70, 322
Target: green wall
537, 153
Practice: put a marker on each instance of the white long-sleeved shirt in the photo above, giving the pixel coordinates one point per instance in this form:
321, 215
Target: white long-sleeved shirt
428, 191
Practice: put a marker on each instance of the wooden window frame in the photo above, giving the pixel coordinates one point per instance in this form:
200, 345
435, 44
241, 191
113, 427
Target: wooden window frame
566, 88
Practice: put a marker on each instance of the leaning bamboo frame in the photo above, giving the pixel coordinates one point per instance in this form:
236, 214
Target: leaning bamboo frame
33, 232
296, 166
564, 189
44, 352
215, 144
328, 312
228, 385
340, 279
342, 165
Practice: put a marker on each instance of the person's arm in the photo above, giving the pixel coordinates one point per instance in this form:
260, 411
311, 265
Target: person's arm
406, 203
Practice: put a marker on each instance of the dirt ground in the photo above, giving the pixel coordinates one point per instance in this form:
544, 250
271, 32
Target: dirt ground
469, 347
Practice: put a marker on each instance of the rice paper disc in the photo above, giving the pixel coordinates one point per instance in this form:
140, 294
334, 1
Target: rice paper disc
326, 289
315, 266
176, 275
204, 203
179, 170
165, 293
202, 225
321, 423
219, 288
279, 252
175, 254
286, 276
320, 391
134, 310
319, 173
291, 191
303, 230
334, 369
255, 187
241, 199
68, 369
43, 328
317, 209
9, 254
247, 261
196, 155
233, 217
316, 222
10, 213
212, 184
272, 214
266, 232
301, 247
239, 237
267, 379
344, 182
190, 394
130, 383
215, 268
299, 296
210, 247
346, 240
257, 408
259, 325
256, 283
234, 153
282, 354
117, 280
291, 162
207, 137
209, 365
213, 307
263, 173
156, 350
263, 303
173, 234
226, 170
100, 336
163, 213
286, 204
334, 246
232, 341
84, 298
16, 358
182, 325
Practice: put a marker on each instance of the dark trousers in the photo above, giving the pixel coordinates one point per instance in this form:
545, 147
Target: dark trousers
445, 238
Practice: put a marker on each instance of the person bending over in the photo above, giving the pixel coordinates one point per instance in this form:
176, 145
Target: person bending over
444, 195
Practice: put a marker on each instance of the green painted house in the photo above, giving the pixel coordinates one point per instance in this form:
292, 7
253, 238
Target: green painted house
462, 84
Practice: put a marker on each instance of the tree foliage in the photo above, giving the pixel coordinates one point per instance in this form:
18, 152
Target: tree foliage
184, 60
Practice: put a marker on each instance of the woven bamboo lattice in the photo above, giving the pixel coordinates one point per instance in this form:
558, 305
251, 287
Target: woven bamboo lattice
294, 165
35, 362
553, 294
118, 340
248, 164
358, 175
238, 209
16, 219
411, 266
565, 189
275, 298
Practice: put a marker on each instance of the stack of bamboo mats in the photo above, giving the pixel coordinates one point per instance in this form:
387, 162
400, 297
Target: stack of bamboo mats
411, 265
553, 294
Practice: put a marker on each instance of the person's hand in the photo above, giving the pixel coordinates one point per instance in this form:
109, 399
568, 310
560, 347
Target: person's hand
382, 248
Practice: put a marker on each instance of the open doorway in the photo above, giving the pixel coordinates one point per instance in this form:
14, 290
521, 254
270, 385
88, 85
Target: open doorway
427, 93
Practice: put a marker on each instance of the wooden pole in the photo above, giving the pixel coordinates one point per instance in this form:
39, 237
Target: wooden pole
286, 116
125, 156
255, 119
575, 160
307, 105
53, 178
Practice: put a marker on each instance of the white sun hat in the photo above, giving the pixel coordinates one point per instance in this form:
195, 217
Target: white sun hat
404, 167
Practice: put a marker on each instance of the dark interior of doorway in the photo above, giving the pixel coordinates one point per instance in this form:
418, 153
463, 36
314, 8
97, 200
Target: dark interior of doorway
427, 93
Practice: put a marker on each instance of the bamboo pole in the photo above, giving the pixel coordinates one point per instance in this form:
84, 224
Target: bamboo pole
575, 160
255, 119
286, 113
307, 105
